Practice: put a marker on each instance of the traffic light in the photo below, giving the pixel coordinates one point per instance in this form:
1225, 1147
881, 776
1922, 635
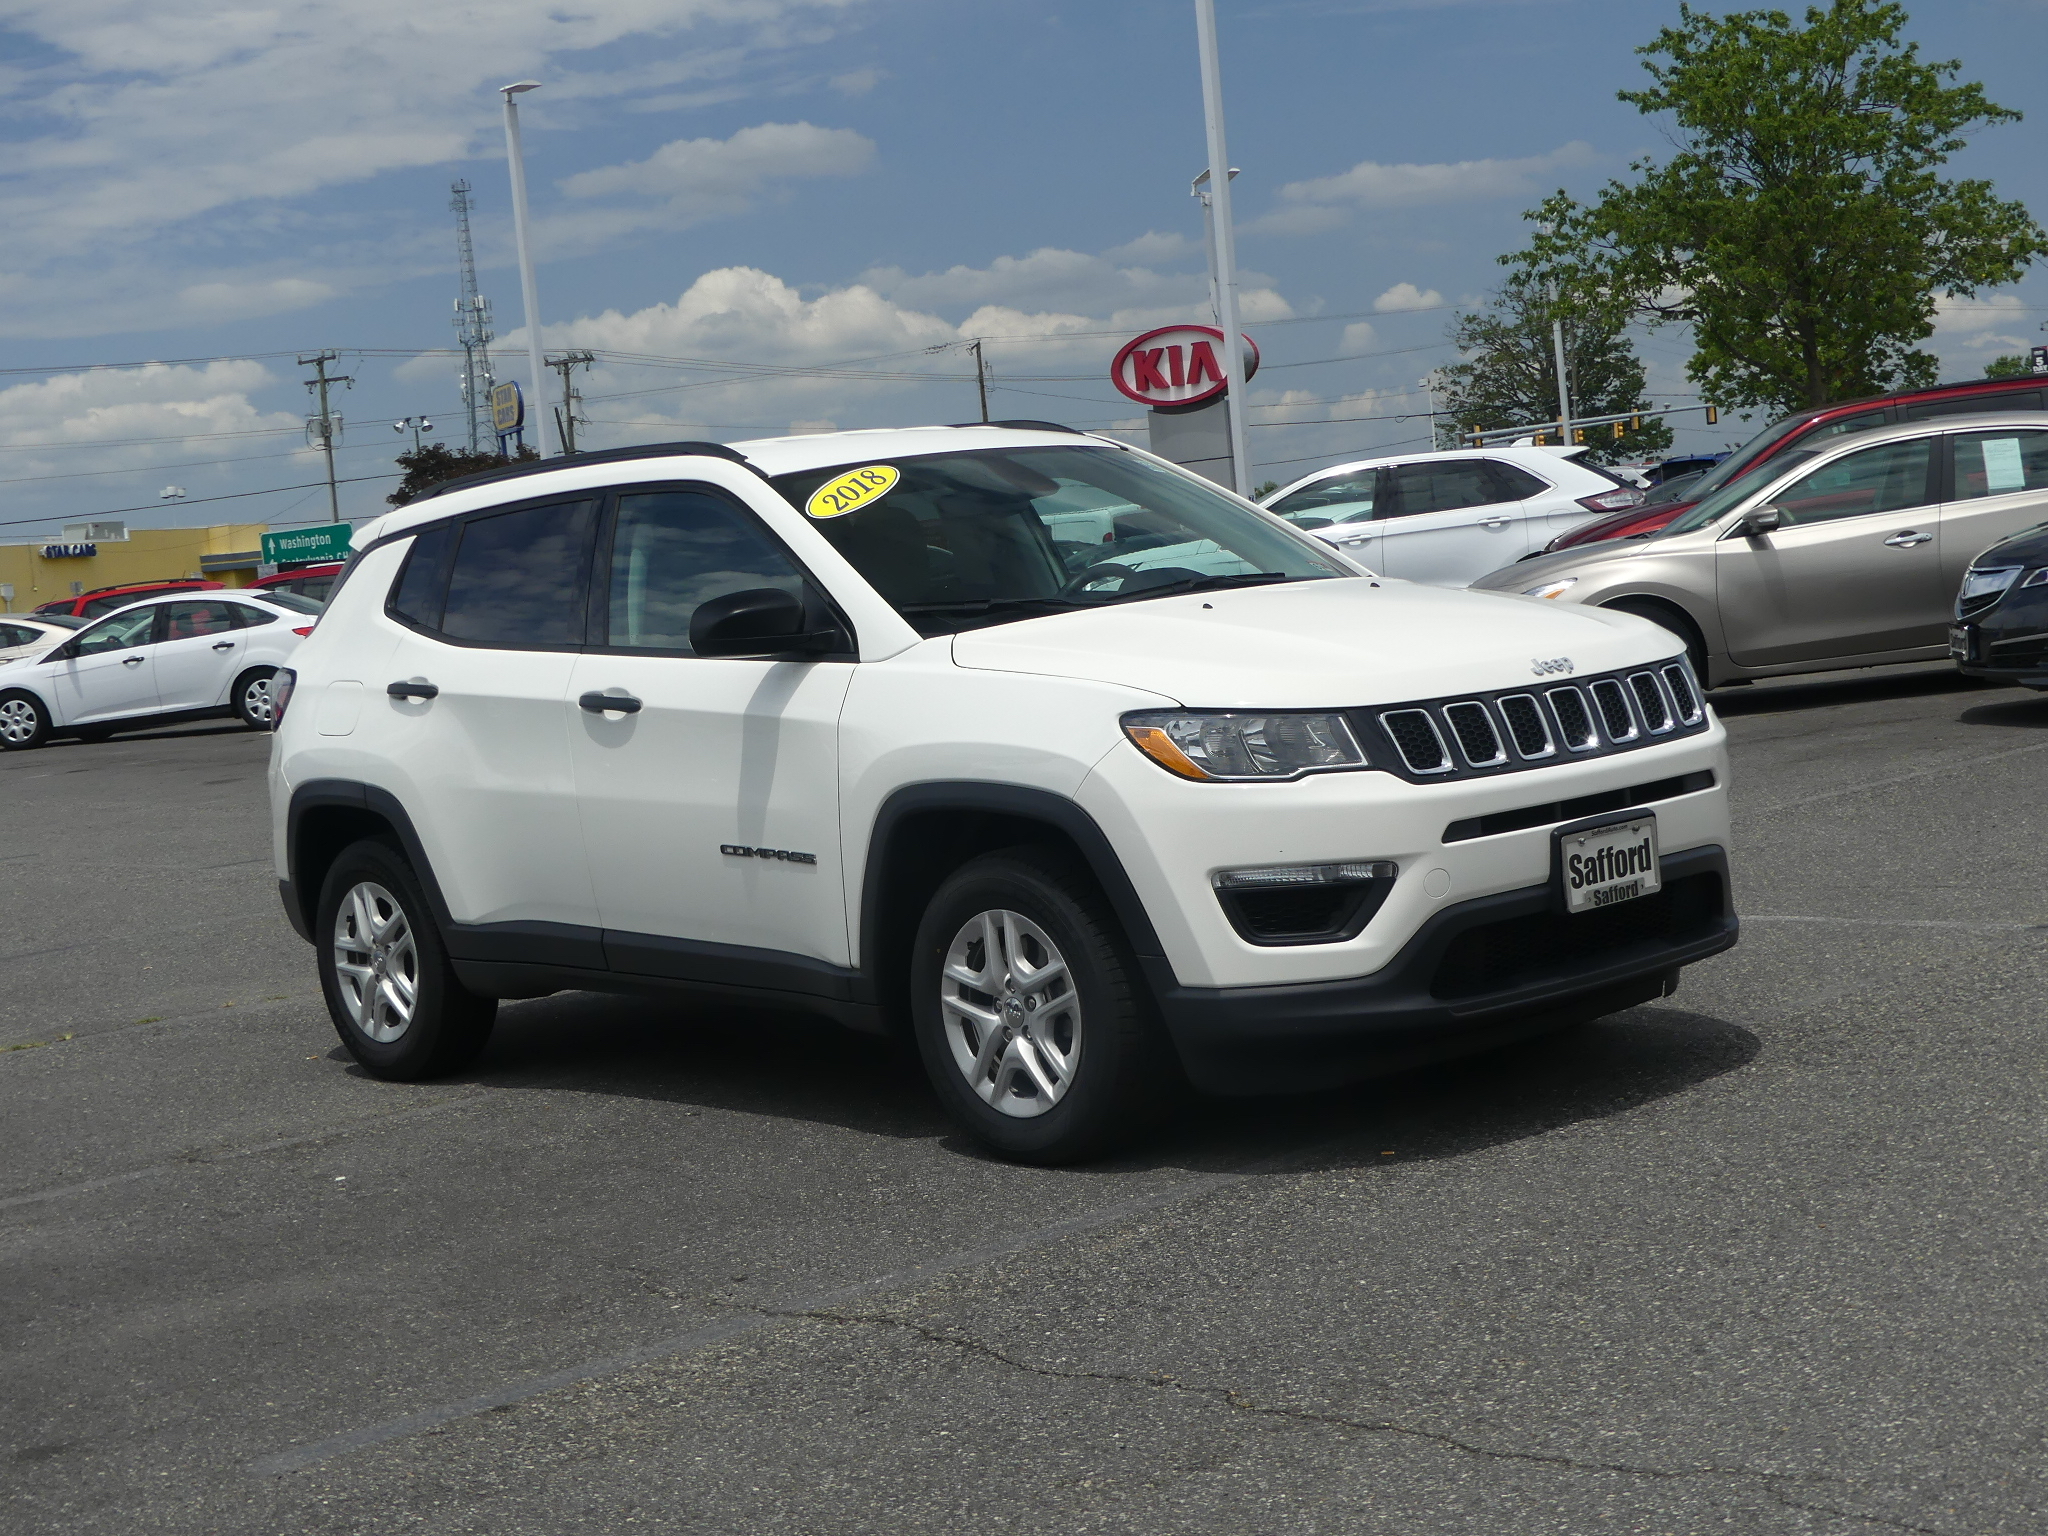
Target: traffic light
1578, 434
1635, 423
1713, 414
1619, 429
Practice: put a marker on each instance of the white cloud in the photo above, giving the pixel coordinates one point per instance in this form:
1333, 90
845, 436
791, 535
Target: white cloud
1407, 296
1154, 247
858, 82
2001, 322
1073, 283
1359, 336
241, 301
727, 173
1370, 184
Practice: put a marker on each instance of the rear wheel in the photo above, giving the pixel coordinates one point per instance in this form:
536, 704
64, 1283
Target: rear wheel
384, 970
252, 698
1029, 1013
24, 722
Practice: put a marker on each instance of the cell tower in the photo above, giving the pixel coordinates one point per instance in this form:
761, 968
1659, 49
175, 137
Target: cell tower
473, 330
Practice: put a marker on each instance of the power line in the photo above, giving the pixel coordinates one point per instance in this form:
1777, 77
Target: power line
275, 490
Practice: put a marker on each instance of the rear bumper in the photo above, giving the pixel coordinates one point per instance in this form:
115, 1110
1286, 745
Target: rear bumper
1476, 975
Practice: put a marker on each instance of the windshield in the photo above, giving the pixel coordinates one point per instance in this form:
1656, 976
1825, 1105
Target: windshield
987, 536
290, 601
1712, 506
1746, 457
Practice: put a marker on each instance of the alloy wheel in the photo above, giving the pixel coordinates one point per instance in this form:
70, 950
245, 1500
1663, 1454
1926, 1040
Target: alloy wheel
19, 720
1012, 1017
256, 701
376, 962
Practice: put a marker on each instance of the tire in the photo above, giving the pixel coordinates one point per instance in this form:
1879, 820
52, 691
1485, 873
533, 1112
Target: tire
251, 698
1669, 618
24, 721
93, 735
1083, 1065
370, 893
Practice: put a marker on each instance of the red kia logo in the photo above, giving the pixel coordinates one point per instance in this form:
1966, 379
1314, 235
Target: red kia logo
1176, 366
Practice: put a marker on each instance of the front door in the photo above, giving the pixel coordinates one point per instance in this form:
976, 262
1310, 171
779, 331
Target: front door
198, 655
1853, 569
110, 670
1446, 522
1999, 486
710, 812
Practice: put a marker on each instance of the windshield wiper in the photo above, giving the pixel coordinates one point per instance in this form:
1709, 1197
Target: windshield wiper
1204, 584
985, 605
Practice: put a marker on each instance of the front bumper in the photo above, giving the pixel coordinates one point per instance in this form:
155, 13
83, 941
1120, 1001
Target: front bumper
1475, 975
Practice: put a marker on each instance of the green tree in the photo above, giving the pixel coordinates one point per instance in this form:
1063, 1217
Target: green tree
1801, 230
432, 463
1509, 374
2010, 366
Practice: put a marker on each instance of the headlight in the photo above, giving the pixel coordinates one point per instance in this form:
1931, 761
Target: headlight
1553, 588
1233, 744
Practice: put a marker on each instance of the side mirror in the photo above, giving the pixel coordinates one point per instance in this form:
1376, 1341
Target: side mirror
1759, 521
761, 621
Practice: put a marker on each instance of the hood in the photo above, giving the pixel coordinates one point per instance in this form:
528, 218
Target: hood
1537, 569
2027, 547
1316, 644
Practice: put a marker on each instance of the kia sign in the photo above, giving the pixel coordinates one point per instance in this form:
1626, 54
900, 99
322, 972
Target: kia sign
1177, 366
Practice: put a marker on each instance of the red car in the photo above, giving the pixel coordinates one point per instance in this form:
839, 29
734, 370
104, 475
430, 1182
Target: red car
314, 581
90, 605
1809, 428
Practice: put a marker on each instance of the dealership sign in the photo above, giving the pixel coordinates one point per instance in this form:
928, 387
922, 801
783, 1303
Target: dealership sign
1177, 366
70, 551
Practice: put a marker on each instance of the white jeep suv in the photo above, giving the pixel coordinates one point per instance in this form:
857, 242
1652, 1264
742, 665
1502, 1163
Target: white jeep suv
1092, 777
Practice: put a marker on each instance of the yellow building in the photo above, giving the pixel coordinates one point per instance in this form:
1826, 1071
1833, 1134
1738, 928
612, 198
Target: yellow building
110, 554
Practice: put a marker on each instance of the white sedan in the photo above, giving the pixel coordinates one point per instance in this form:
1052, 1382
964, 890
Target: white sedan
186, 657
1448, 518
22, 636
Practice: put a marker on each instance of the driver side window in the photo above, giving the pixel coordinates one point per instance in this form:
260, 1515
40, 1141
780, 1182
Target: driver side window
1343, 498
123, 632
1891, 477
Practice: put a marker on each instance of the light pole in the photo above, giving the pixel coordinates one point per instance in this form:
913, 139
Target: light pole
517, 160
416, 425
1226, 243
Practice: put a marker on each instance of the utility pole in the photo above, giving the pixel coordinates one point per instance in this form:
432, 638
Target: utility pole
517, 164
472, 327
980, 375
1564, 392
1427, 383
1226, 243
324, 427
565, 414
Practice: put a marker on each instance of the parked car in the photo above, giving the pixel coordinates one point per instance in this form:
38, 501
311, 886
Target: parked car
28, 635
1845, 552
1805, 429
152, 664
104, 600
2001, 617
314, 581
835, 721
1445, 518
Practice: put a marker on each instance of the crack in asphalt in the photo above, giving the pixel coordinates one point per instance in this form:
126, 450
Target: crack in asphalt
1231, 1398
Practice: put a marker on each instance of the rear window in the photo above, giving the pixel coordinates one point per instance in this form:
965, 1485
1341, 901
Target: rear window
518, 577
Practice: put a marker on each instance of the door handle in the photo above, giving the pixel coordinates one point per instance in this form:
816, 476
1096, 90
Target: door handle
1908, 538
609, 703
223, 645
412, 690
132, 661
1493, 522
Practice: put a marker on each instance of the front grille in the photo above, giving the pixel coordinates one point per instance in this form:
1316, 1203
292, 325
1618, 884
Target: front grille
1477, 738
1542, 946
1415, 735
1650, 703
1519, 729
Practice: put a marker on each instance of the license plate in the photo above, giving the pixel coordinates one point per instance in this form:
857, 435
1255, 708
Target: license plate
1602, 866
1959, 641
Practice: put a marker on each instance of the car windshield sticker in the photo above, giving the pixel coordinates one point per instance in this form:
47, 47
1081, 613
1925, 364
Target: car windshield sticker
852, 491
2002, 468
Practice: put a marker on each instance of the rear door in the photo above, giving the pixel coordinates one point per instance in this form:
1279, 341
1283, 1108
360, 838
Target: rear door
1854, 568
1445, 522
197, 657
1998, 485
109, 670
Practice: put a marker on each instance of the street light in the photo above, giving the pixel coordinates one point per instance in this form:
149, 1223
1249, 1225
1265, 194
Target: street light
527, 294
416, 425
1226, 243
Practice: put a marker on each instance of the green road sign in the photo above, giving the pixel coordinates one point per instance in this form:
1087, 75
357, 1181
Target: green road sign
302, 546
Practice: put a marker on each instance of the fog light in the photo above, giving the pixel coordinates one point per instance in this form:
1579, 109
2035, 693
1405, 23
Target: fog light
1276, 876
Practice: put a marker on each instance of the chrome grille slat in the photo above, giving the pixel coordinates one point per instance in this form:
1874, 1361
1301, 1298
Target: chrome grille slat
1477, 738
1526, 725
1612, 702
1415, 735
1650, 705
1574, 719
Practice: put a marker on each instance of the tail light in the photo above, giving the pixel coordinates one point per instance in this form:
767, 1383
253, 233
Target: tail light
302, 633
282, 682
1619, 500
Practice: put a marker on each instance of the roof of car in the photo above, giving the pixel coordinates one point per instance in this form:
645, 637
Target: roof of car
1957, 421
1531, 453
765, 456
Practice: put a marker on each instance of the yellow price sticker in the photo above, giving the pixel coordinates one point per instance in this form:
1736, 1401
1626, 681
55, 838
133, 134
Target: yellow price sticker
852, 490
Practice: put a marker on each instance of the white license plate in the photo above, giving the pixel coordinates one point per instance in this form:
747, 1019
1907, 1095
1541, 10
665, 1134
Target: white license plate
1605, 865
1959, 642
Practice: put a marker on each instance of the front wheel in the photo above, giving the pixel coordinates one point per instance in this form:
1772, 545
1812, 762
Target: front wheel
1670, 618
1029, 1014
24, 722
252, 698
384, 971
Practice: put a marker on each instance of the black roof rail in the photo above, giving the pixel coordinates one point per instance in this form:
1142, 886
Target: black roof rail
523, 467
1022, 425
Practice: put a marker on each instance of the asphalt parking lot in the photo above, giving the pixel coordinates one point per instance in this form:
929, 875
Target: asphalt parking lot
1765, 1257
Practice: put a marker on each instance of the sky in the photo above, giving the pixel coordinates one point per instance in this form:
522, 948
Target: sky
769, 216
